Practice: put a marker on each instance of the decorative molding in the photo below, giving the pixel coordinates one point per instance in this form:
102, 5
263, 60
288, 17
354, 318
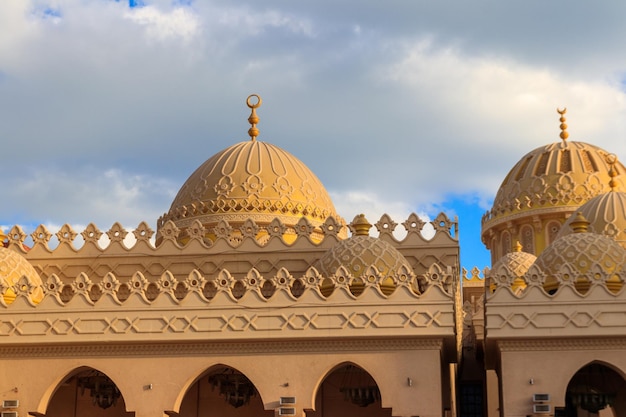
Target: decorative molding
218, 348
555, 344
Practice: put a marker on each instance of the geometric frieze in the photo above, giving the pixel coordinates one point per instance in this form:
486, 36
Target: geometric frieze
200, 324
237, 309
567, 313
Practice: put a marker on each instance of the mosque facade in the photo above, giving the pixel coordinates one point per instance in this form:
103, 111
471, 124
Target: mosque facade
253, 297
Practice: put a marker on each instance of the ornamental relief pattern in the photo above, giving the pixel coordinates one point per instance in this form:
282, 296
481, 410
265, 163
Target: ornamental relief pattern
100, 309
539, 193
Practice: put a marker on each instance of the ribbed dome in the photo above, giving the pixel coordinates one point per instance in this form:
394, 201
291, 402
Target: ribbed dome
251, 180
561, 175
606, 214
584, 255
13, 266
359, 252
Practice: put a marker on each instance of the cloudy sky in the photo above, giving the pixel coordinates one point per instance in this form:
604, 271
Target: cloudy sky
106, 107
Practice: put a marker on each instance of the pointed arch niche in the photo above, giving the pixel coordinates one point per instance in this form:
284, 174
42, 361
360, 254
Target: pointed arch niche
348, 390
223, 391
596, 390
87, 392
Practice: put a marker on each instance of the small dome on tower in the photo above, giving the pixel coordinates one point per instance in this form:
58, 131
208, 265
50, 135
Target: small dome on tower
582, 257
606, 213
360, 251
13, 267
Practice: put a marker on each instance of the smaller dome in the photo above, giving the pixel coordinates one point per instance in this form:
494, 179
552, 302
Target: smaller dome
585, 255
515, 264
605, 212
359, 252
13, 266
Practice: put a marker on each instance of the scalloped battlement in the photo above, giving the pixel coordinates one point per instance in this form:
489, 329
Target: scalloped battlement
236, 250
223, 308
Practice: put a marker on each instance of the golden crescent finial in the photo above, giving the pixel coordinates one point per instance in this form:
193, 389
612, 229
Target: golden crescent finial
253, 119
564, 135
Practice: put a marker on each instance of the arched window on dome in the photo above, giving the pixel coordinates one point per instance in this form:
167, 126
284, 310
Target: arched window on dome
527, 239
506, 243
494, 250
552, 229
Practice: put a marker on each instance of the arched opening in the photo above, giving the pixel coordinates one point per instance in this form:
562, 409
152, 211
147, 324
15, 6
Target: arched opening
527, 237
223, 391
596, 391
87, 392
348, 391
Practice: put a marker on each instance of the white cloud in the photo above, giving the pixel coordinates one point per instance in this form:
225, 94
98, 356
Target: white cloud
394, 108
160, 25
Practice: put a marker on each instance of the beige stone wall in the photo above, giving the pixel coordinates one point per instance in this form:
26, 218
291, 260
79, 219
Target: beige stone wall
295, 369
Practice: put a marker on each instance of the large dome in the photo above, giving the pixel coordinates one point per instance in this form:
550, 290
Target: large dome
251, 180
13, 267
542, 190
558, 175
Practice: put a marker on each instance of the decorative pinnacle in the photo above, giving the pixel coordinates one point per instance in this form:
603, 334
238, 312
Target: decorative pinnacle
564, 135
611, 159
360, 226
253, 119
580, 223
517, 247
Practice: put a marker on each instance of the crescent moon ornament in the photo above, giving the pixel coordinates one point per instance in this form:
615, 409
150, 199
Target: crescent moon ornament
253, 119
258, 101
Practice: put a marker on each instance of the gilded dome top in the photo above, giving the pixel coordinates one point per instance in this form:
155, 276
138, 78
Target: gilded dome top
360, 251
251, 180
583, 256
13, 266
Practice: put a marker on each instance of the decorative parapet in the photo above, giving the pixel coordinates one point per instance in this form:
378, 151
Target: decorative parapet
533, 313
66, 236
199, 309
72, 256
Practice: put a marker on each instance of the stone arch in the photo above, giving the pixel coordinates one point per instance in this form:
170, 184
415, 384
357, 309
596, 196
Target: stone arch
241, 396
80, 383
594, 386
356, 384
